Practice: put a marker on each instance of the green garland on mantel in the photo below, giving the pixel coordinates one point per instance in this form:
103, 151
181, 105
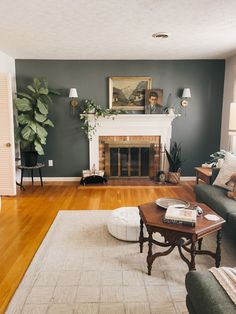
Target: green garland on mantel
90, 107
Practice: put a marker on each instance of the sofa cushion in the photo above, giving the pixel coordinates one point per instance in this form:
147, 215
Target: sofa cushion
232, 220
206, 294
228, 168
216, 198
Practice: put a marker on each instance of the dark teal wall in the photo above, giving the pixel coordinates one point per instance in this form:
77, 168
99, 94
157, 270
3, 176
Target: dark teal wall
198, 128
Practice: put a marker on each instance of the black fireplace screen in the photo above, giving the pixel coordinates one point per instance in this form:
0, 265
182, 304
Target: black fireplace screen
128, 161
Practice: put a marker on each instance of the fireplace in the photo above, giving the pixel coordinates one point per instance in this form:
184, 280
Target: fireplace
127, 126
129, 156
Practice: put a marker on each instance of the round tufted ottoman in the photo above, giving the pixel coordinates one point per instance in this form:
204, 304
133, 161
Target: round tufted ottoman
124, 224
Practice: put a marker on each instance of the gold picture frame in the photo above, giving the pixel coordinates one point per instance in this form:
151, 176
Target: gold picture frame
128, 92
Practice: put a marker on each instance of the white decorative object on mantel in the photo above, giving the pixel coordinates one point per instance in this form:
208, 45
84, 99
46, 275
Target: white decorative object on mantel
131, 125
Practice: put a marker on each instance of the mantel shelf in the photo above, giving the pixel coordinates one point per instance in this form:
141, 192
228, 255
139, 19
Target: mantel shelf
160, 115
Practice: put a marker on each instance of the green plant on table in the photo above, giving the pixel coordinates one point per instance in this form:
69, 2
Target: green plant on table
217, 155
32, 107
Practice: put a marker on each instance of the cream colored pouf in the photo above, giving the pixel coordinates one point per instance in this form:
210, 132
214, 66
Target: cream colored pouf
124, 224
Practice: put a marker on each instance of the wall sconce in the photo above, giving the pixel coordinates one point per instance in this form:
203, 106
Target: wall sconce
232, 126
186, 94
73, 95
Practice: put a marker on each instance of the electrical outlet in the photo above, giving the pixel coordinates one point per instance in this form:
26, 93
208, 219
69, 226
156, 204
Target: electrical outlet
50, 163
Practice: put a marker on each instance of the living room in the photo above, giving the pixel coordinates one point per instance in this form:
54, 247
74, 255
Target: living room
187, 55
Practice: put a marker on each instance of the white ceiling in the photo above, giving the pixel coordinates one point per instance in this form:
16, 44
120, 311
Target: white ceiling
118, 29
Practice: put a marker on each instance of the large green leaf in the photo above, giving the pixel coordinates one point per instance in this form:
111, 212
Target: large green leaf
31, 89
24, 144
17, 135
43, 91
33, 126
23, 104
49, 122
42, 140
40, 117
41, 132
36, 83
38, 147
25, 95
24, 119
42, 107
27, 133
46, 98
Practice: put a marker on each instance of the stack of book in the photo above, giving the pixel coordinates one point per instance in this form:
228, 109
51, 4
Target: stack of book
178, 215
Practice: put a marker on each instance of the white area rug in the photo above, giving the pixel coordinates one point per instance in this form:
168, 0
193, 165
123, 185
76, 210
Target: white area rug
81, 268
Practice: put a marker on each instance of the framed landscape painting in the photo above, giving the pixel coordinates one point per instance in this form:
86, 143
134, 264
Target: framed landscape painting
128, 92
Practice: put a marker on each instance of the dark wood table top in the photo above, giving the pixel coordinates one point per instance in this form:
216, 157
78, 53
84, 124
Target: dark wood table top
152, 215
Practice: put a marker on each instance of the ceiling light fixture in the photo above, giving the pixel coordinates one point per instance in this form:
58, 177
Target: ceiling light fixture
161, 35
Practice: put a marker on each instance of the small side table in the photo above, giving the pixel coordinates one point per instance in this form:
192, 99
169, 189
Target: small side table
38, 166
205, 174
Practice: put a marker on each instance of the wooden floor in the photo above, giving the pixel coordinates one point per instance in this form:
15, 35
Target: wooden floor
26, 218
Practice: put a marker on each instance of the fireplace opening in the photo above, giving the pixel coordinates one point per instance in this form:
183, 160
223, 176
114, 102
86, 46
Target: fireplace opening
128, 161
131, 156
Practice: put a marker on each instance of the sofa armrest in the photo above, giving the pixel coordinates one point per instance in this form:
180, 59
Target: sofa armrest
206, 295
215, 172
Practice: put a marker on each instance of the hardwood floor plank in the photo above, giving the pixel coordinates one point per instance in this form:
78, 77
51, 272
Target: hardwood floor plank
26, 218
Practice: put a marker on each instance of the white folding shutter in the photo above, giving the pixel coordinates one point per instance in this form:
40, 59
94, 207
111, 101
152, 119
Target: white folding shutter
7, 147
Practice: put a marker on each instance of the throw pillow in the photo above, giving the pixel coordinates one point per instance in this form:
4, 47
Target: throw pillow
228, 167
232, 182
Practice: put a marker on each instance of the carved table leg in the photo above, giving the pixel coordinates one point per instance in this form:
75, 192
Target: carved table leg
141, 236
218, 249
192, 265
200, 244
149, 257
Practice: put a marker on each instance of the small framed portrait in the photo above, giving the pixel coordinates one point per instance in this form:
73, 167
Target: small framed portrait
154, 101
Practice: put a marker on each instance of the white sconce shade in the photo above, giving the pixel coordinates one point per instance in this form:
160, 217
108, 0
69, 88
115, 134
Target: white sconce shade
73, 93
74, 102
232, 119
186, 93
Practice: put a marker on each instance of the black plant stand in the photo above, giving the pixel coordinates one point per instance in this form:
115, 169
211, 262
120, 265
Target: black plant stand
38, 166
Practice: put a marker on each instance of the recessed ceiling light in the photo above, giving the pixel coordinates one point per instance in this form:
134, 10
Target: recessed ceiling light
162, 35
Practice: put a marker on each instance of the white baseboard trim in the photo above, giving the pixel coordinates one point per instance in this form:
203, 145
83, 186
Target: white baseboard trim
67, 179
50, 179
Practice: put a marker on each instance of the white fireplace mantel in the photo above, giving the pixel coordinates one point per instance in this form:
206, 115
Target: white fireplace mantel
127, 125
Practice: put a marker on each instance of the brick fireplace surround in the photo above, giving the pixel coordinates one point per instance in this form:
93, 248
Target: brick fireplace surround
150, 142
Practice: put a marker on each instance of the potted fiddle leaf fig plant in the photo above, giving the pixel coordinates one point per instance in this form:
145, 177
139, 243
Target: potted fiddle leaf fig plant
32, 108
175, 162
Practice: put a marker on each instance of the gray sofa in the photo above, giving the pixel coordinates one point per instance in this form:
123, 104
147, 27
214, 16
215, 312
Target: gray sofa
204, 294
216, 198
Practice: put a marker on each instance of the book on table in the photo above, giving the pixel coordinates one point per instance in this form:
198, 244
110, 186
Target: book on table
179, 215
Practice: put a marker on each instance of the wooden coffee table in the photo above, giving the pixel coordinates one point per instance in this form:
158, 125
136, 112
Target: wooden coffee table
183, 237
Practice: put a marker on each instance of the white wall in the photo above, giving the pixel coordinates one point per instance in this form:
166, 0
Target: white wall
229, 96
